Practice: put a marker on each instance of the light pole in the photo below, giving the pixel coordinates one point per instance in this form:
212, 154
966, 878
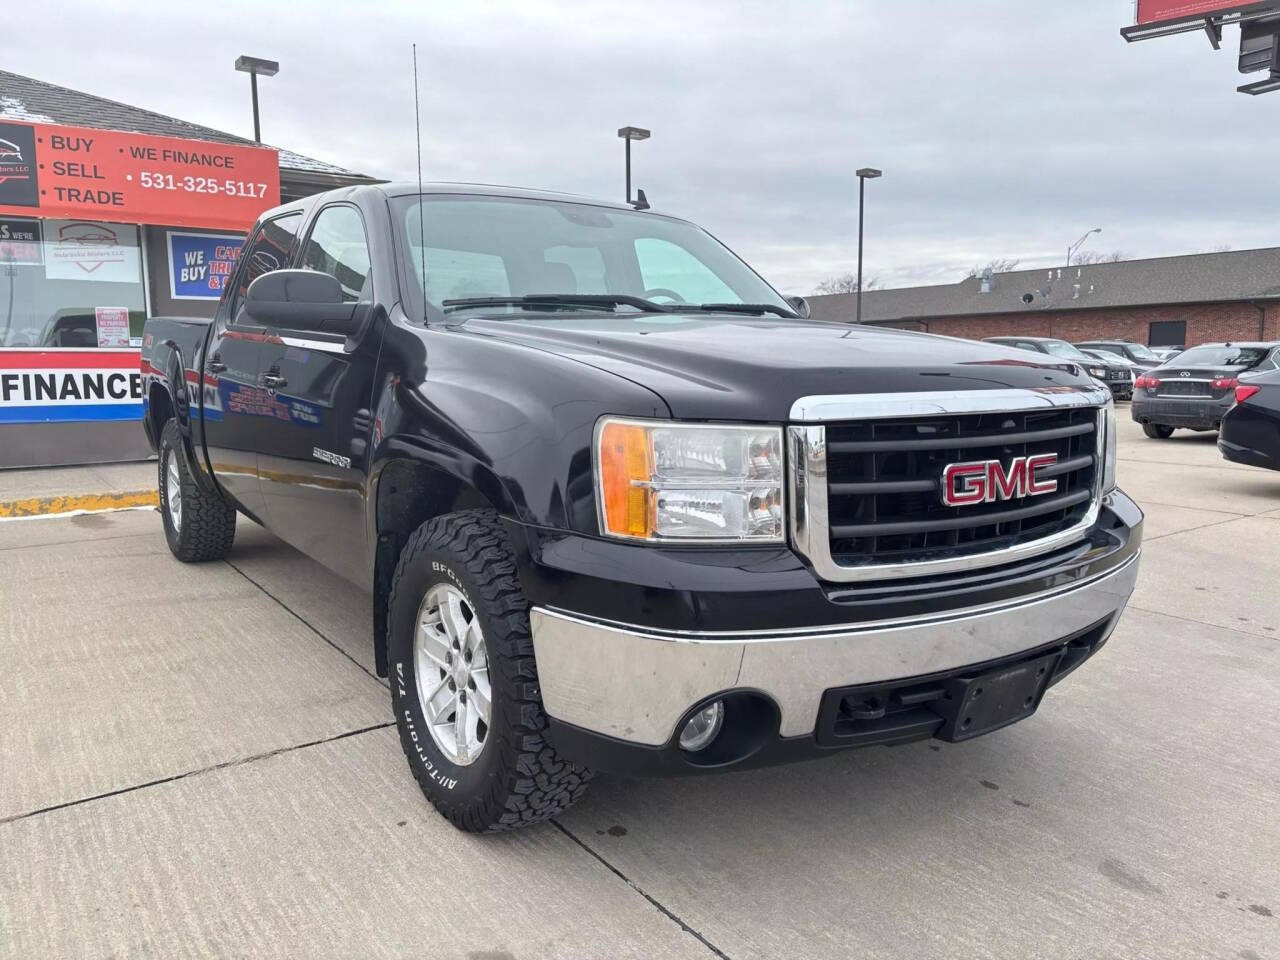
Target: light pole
254, 66
1071, 250
628, 134
864, 174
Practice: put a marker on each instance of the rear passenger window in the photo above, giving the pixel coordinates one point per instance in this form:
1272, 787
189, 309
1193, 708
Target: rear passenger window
267, 251
338, 246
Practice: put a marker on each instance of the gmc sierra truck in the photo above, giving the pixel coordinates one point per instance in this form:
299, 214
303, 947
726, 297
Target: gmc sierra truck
621, 506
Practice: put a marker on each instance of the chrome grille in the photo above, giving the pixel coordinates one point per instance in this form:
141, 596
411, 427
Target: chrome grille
866, 492
884, 483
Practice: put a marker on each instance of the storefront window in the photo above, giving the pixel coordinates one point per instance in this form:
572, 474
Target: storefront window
70, 283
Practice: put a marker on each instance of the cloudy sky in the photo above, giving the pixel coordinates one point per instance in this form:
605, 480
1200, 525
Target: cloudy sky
1006, 128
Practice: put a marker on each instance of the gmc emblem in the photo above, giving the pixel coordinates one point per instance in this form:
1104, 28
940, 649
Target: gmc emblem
985, 481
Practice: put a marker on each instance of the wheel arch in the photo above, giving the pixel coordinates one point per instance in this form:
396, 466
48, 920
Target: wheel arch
411, 487
169, 397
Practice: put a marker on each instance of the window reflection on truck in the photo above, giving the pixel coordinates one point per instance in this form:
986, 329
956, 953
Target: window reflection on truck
251, 401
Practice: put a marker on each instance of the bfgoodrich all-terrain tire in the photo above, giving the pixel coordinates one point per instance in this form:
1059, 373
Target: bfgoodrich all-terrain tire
198, 525
1157, 431
464, 685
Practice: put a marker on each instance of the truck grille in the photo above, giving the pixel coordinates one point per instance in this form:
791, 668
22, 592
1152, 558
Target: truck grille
1184, 388
883, 483
1115, 374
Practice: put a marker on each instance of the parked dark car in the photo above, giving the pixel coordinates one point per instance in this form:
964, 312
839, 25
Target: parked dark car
1142, 356
1250, 430
1196, 389
1114, 374
621, 506
1119, 391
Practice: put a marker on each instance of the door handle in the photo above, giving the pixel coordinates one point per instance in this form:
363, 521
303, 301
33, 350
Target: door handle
215, 364
274, 380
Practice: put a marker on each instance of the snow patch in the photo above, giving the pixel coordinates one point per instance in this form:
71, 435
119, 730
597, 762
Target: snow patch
11, 108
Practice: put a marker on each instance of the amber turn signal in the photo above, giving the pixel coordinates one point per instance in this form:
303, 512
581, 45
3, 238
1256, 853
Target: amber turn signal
626, 466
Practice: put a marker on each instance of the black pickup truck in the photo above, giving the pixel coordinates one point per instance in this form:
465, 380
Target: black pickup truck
622, 506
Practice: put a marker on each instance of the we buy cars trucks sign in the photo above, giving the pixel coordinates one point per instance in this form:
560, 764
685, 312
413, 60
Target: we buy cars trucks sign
77, 173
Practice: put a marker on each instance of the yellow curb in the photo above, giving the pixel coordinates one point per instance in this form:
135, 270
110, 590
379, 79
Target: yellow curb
40, 506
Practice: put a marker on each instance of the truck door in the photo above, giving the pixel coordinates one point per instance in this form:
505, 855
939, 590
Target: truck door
314, 459
233, 405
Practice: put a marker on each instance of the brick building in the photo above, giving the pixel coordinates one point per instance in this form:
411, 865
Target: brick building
1163, 301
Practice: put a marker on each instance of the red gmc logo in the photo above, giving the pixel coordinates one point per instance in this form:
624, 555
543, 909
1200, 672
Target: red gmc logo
985, 481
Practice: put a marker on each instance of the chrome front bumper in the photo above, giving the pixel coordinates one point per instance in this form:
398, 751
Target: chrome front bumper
636, 684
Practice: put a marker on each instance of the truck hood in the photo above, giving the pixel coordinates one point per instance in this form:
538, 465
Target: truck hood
749, 368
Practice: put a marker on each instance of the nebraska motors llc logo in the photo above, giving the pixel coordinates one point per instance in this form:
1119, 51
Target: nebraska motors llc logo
18, 178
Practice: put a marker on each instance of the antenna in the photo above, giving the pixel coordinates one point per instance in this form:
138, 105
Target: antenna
422, 214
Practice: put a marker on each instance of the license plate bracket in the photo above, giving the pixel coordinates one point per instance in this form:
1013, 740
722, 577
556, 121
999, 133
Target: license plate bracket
977, 705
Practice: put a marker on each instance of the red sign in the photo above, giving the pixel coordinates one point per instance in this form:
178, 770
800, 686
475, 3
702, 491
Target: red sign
77, 173
1161, 11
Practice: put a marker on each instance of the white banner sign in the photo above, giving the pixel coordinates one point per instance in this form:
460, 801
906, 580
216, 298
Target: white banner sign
88, 250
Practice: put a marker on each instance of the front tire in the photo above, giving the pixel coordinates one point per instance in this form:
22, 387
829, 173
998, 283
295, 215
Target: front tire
198, 525
1157, 431
458, 629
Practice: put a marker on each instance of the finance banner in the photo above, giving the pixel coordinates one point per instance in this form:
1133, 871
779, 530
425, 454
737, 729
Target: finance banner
48, 386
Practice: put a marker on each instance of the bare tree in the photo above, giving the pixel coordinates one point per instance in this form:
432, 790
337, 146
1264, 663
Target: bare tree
845, 283
998, 265
1093, 256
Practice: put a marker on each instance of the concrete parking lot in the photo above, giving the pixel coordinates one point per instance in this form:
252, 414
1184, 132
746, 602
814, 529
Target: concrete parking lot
199, 761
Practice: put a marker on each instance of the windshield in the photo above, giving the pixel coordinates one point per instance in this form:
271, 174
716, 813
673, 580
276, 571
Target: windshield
500, 247
1212, 356
1141, 351
1060, 348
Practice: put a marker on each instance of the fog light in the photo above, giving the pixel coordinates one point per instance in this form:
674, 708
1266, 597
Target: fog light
702, 727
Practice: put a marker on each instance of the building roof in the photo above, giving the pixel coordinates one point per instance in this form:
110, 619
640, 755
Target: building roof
1195, 278
34, 101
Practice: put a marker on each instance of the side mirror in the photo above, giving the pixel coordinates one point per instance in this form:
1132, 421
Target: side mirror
801, 306
300, 300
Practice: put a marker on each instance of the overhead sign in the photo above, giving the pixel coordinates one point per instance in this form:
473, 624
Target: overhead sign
44, 386
201, 264
80, 173
1164, 11
20, 241
91, 250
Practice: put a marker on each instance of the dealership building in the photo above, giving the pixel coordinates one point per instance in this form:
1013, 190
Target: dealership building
110, 214
1165, 301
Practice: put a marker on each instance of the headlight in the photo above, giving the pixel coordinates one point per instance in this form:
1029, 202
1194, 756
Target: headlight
1098, 373
657, 480
1109, 450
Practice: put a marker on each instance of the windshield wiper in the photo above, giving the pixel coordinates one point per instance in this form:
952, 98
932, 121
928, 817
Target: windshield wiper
752, 308
558, 299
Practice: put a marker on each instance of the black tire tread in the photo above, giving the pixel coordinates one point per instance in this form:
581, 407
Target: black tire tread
1157, 431
208, 523
532, 782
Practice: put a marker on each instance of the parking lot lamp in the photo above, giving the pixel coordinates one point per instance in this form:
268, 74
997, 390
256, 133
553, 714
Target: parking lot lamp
254, 66
864, 174
1071, 250
628, 134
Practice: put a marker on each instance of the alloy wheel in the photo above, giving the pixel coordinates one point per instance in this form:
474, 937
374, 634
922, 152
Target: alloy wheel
452, 669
